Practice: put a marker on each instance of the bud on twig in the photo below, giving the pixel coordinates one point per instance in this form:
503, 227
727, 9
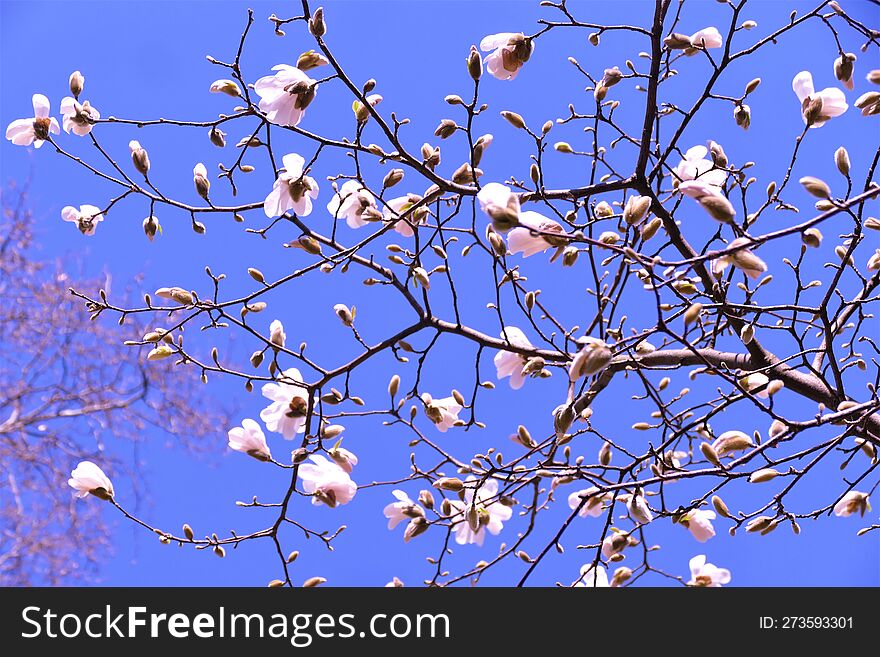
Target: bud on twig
317, 26
76, 83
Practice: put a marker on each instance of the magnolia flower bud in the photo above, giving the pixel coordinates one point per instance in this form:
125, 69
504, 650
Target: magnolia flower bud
812, 237
569, 256
151, 227
426, 499
762, 475
415, 527
731, 441
692, 313
453, 484
317, 26
719, 157
514, 119
758, 524
752, 85
76, 83
591, 359
475, 64
345, 315
677, 41
742, 114
200, 179
393, 385
312, 582
603, 210
139, 157
718, 207
563, 147
869, 103
446, 129
710, 454
621, 575
721, 507
392, 178
311, 59
841, 159
638, 509
228, 87
636, 209
816, 187
843, 69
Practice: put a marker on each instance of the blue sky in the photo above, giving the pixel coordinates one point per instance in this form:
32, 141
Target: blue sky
147, 60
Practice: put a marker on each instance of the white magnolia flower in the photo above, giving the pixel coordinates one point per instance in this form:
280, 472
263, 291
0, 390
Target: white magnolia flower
750, 264
509, 363
699, 523
287, 412
292, 189
442, 412
708, 37
531, 237
593, 507
696, 166
86, 218
707, 574
24, 132
399, 206
327, 482
819, 106
591, 577
852, 502
78, 117
404, 509
89, 478
510, 50
344, 458
350, 202
479, 508
502, 205
249, 439
277, 336
285, 95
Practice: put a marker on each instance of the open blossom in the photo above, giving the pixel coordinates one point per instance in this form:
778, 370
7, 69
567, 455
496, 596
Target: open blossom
593, 508
696, 166
88, 478
327, 482
502, 205
480, 511
287, 412
292, 189
817, 107
591, 577
699, 523
708, 37
510, 50
442, 412
707, 574
535, 234
352, 202
86, 218
404, 509
285, 96
509, 363
852, 502
77, 117
24, 132
344, 458
249, 439
743, 259
400, 206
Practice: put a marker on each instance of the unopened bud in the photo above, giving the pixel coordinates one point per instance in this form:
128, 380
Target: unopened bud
475, 64
151, 227
317, 26
76, 83
816, 187
514, 119
841, 159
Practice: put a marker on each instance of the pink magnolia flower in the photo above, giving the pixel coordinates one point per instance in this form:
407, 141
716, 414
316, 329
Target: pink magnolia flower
699, 523
531, 236
399, 206
249, 439
78, 117
696, 166
327, 482
86, 218
591, 577
510, 50
88, 478
351, 202
285, 96
750, 264
480, 513
820, 106
593, 508
509, 363
24, 132
707, 574
344, 458
287, 412
852, 502
292, 189
404, 509
442, 412
708, 37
